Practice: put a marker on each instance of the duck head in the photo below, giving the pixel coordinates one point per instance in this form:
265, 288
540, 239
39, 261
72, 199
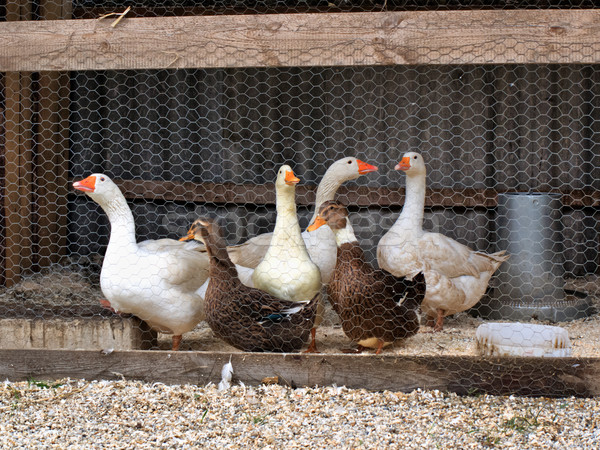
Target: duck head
201, 229
285, 189
99, 187
286, 177
331, 213
412, 163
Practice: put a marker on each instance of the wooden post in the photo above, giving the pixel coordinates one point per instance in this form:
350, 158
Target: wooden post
18, 155
2, 182
52, 160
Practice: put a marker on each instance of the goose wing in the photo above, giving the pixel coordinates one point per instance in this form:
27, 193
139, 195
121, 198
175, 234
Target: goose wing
452, 258
179, 263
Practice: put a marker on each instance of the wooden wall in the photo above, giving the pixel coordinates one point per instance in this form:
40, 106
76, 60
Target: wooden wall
482, 129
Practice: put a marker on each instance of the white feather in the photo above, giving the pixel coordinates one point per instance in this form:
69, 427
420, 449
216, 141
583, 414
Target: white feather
226, 376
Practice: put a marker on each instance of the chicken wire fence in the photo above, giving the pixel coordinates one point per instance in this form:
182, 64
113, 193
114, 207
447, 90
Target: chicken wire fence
511, 159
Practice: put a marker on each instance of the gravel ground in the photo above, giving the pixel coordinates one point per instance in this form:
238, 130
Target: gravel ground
75, 414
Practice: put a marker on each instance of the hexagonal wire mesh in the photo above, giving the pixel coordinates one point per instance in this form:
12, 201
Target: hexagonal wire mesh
511, 158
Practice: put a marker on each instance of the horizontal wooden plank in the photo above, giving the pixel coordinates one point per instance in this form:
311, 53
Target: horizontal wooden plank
551, 377
281, 40
264, 194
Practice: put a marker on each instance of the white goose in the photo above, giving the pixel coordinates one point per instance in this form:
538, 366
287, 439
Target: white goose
320, 244
286, 271
456, 276
156, 280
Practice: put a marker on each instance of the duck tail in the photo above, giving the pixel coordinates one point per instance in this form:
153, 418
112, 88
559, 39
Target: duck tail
309, 311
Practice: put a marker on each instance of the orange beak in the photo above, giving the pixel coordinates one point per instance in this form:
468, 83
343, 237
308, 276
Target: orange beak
363, 167
86, 185
291, 179
188, 237
404, 164
318, 223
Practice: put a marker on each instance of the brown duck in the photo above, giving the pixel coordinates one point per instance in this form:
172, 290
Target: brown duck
247, 318
376, 308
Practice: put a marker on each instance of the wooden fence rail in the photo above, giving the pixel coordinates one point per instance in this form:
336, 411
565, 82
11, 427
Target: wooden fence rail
466, 375
328, 39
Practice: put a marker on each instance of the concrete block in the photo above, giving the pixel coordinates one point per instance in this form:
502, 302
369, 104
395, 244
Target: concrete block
97, 333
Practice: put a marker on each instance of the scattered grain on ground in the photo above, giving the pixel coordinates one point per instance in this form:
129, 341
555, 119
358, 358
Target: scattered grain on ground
129, 414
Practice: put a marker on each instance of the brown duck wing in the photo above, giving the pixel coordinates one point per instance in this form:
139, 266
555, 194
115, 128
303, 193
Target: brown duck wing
253, 320
261, 305
400, 290
381, 305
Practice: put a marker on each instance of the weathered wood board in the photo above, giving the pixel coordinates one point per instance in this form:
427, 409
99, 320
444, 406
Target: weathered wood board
329, 39
18, 162
552, 377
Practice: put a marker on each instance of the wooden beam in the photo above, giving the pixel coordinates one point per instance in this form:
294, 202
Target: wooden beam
18, 159
264, 194
329, 39
52, 163
2, 182
550, 377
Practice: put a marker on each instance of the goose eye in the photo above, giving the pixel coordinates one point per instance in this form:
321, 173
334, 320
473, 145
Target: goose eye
415, 157
101, 178
349, 161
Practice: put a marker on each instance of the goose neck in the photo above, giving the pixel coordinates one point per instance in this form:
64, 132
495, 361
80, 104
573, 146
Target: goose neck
122, 225
285, 201
414, 203
287, 219
326, 191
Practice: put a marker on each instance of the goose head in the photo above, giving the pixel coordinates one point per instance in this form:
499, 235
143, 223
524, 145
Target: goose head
349, 168
331, 213
411, 163
98, 187
345, 169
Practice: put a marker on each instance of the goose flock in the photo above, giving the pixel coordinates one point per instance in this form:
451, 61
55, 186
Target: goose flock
266, 293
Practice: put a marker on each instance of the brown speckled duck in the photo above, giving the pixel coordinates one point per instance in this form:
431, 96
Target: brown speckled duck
247, 318
376, 308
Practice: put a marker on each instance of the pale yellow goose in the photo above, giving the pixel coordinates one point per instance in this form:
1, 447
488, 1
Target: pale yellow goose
286, 271
456, 276
320, 244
